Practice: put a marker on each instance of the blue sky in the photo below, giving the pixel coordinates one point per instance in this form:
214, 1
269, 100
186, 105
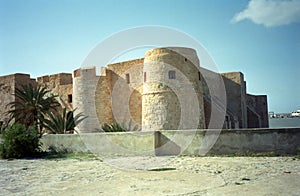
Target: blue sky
259, 37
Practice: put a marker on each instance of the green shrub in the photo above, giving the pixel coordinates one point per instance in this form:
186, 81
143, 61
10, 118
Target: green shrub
123, 127
17, 142
115, 127
130, 126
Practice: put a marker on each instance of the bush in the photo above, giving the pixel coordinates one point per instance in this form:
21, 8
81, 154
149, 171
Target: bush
17, 142
115, 127
123, 127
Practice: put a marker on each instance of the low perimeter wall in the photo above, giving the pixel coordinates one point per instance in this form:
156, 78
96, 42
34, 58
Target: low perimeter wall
184, 142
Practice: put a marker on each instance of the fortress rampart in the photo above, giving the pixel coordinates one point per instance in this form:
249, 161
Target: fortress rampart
163, 91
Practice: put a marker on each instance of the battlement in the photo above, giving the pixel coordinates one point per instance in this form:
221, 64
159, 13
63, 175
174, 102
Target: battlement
237, 77
121, 67
58, 79
85, 71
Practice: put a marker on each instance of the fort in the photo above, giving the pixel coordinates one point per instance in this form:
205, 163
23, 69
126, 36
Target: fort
165, 90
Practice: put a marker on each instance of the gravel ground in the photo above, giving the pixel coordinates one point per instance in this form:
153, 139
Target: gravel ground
151, 176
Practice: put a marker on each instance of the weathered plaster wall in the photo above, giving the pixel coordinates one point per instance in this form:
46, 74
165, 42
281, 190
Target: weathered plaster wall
185, 142
141, 143
243, 141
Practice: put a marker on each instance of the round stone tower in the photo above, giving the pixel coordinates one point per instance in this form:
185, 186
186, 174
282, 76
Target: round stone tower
84, 87
172, 94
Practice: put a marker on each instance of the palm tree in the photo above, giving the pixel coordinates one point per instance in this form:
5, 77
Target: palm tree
62, 122
31, 105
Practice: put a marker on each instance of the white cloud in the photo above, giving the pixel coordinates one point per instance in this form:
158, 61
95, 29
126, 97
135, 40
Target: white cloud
270, 12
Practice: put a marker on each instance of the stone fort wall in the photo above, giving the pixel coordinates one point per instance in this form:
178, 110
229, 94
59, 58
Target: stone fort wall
172, 95
8, 85
257, 111
60, 84
141, 91
161, 91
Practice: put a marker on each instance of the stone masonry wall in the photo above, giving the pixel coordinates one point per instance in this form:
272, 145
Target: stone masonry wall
214, 103
8, 85
262, 109
164, 90
258, 104
118, 94
236, 96
85, 83
7, 88
103, 98
171, 102
61, 85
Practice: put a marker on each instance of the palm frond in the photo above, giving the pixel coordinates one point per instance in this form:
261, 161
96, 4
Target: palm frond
61, 122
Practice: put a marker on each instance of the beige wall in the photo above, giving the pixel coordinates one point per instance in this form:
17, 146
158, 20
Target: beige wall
154, 101
8, 84
61, 85
7, 88
103, 100
84, 87
128, 144
172, 103
117, 100
241, 141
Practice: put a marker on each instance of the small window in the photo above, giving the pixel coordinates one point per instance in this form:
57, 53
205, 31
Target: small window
127, 78
70, 98
145, 76
199, 75
172, 74
185, 59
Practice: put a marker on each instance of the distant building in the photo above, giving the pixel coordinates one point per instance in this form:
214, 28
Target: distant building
152, 92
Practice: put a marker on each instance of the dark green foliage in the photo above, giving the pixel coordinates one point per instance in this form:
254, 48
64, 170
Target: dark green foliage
123, 127
62, 122
130, 126
115, 127
31, 105
19, 142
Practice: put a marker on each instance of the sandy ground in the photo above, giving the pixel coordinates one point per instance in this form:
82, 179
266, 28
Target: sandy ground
171, 176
